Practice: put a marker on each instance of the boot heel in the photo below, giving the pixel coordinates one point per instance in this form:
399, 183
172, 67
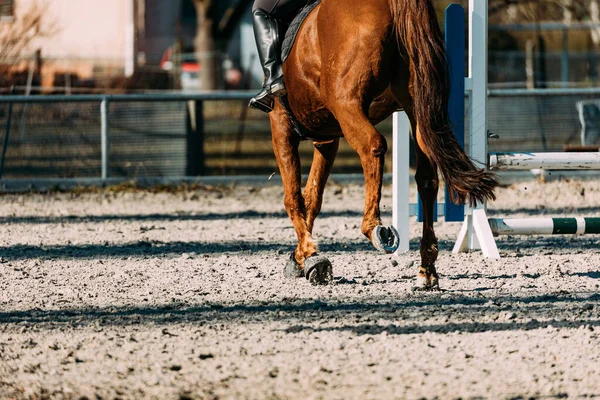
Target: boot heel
278, 89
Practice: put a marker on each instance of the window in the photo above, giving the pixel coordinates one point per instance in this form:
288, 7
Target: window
7, 8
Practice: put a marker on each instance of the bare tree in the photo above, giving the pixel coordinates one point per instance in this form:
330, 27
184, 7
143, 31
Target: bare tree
536, 10
17, 36
213, 32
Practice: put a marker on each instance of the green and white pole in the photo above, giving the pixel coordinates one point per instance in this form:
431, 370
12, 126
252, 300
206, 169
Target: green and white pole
544, 226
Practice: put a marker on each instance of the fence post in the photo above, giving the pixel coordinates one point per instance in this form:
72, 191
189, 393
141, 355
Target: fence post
104, 140
195, 138
7, 133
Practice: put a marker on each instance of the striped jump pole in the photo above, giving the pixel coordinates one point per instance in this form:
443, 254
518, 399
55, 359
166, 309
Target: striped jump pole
544, 226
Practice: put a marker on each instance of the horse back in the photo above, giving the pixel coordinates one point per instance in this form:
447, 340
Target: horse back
336, 43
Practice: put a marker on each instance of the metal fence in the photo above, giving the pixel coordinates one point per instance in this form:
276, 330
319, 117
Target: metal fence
215, 134
536, 120
126, 136
508, 69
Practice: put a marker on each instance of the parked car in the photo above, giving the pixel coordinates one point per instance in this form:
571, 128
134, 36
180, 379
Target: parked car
190, 71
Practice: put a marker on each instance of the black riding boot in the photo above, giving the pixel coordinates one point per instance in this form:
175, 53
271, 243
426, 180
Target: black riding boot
266, 32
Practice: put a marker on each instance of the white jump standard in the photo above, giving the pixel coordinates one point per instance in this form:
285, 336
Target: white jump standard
478, 231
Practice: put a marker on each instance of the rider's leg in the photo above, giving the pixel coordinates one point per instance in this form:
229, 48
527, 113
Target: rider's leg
268, 16
284, 10
266, 32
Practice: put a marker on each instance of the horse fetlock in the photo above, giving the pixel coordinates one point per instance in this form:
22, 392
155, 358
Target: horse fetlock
369, 225
427, 278
307, 248
299, 256
429, 254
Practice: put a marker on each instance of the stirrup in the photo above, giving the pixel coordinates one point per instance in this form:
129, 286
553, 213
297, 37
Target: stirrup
264, 104
265, 100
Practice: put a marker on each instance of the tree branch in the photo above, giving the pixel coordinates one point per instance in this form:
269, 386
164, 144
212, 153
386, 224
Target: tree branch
231, 19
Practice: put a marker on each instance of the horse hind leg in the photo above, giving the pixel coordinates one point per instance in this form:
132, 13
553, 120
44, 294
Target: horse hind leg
426, 177
371, 147
304, 261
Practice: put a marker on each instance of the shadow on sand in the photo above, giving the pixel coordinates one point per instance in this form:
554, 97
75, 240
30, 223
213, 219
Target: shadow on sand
413, 315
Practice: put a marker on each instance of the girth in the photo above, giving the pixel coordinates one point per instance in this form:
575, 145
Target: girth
301, 130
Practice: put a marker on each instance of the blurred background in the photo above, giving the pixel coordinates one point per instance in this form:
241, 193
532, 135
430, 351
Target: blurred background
64, 48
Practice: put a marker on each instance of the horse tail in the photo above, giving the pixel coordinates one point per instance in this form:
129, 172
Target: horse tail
420, 39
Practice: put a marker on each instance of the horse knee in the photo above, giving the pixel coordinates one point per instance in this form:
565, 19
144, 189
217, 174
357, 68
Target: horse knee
378, 146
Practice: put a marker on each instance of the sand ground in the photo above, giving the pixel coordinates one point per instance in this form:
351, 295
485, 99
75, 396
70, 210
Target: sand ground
181, 296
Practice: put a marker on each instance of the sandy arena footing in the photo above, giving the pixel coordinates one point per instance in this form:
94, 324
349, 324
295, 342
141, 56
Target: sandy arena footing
181, 296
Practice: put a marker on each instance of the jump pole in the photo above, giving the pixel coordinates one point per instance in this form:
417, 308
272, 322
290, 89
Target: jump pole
520, 161
544, 226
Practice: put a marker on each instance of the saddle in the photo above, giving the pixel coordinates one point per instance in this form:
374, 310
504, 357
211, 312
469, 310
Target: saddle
292, 30
286, 49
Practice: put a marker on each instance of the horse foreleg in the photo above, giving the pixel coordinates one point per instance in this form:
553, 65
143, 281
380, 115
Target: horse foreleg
371, 147
427, 184
304, 260
323, 158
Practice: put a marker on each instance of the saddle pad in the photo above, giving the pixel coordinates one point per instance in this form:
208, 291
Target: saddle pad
292, 31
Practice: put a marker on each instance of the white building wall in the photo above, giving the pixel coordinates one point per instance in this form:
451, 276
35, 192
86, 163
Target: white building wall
88, 35
85, 28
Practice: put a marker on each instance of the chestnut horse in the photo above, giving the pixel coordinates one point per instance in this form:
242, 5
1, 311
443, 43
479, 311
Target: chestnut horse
353, 64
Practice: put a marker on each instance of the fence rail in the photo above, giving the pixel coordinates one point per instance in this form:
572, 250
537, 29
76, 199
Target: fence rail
153, 97
544, 92
104, 101
247, 95
139, 136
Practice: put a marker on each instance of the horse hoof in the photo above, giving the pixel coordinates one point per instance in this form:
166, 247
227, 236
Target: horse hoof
318, 270
427, 280
386, 239
292, 268
424, 284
